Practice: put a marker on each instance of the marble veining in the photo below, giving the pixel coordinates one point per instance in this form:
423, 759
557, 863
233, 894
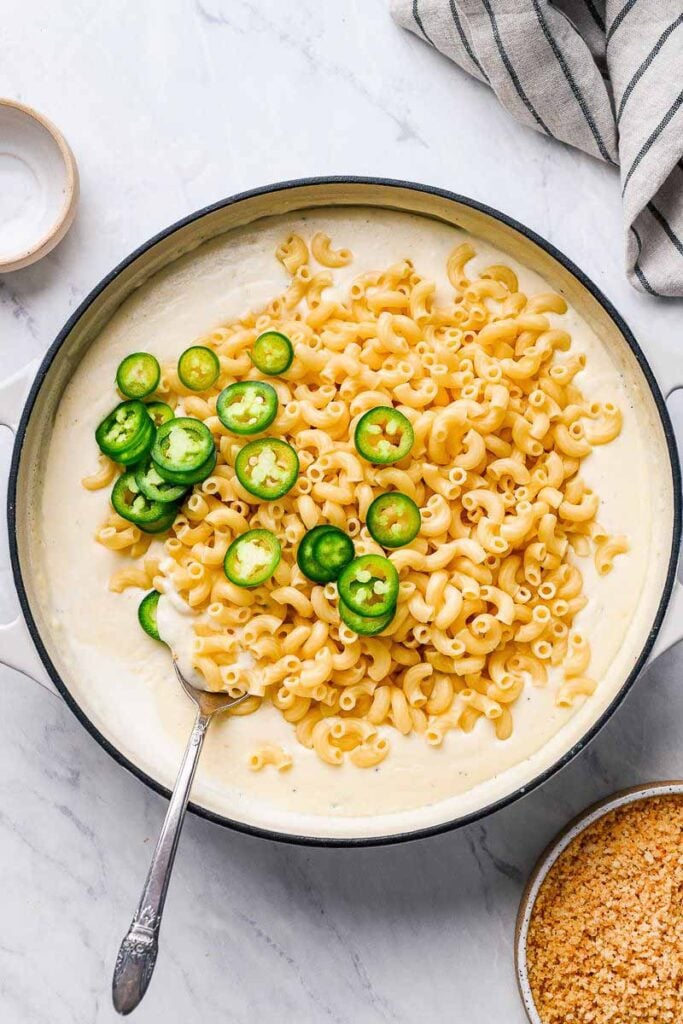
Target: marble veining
170, 105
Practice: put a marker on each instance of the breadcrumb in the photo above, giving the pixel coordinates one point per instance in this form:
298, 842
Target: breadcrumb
605, 942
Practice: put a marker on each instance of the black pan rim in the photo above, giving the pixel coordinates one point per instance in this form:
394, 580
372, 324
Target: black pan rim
420, 833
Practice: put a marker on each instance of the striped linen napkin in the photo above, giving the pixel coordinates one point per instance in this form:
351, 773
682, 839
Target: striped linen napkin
603, 75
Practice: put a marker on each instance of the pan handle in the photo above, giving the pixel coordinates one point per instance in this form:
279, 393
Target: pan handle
16, 647
13, 392
17, 652
666, 359
671, 630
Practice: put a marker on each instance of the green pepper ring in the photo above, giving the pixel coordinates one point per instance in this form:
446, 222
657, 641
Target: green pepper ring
133, 445
232, 557
188, 477
139, 450
272, 353
363, 624
308, 557
164, 522
406, 507
151, 517
198, 432
147, 614
333, 549
241, 389
255, 448
198, 368
165, 492
159, 412
367, 422
354, 591
138, 375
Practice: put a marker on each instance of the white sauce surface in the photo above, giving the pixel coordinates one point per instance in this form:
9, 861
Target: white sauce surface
124, 681
175, 622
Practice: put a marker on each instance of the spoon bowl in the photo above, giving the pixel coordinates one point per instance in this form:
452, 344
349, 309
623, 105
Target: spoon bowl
209, 702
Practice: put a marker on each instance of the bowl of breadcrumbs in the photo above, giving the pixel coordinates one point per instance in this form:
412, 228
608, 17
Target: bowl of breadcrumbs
600, 927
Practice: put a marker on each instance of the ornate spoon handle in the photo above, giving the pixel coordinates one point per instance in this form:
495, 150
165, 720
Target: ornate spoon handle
138, 953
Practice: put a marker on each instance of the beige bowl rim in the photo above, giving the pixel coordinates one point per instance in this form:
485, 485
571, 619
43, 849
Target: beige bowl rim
43, 245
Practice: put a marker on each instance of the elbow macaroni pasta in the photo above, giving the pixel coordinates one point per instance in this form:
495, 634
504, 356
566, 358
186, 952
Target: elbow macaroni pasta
270, 754
489, 589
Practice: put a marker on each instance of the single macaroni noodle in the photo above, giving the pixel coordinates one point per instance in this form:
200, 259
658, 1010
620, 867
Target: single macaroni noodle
270, 754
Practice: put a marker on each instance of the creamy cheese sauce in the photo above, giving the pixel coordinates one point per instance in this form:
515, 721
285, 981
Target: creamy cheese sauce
124, 681
175, 622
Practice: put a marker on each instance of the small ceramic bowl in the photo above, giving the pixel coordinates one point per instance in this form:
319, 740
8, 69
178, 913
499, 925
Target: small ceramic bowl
548, 858
38, 186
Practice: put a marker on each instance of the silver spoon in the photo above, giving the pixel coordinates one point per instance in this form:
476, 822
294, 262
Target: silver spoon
138, 952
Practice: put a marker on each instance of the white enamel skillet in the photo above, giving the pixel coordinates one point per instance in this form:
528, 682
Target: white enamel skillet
28, 403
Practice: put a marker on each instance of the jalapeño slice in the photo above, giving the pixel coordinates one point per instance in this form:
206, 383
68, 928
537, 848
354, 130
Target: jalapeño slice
130, 503
127, 433
363, 624
182, 445
198, 368
248, 407
153, 485
369, 585
141, 448
394, 519
165, 520
383, 435
188, 477
252, 558
138, 375
323, 553
267, 468
272, 353
159, 412
147, 614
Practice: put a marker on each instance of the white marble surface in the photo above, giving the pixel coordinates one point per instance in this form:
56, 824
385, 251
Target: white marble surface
169, 105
